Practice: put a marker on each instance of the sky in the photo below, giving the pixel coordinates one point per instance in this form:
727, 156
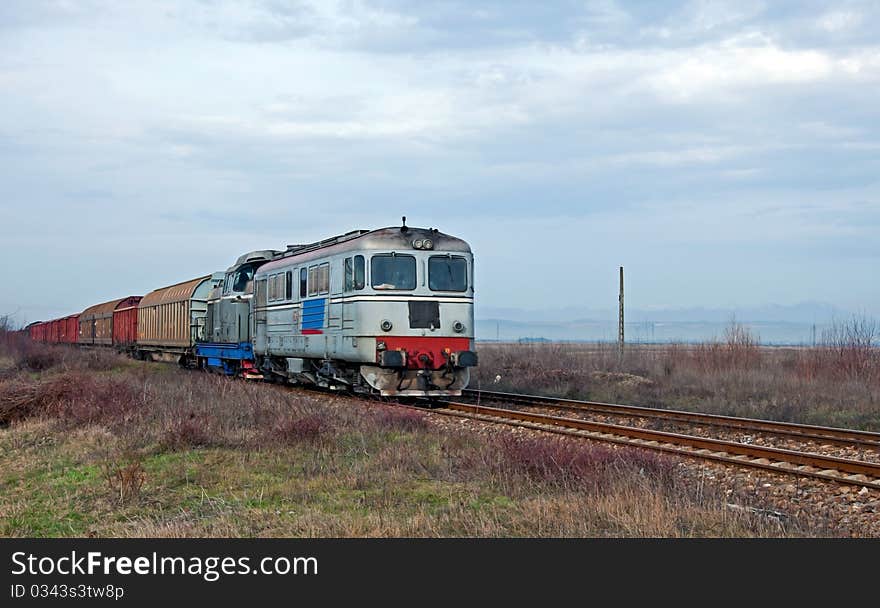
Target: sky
726, 153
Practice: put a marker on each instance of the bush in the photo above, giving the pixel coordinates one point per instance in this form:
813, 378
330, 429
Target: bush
296, 428
564, 462
72, 398
399, 419
125, 481
18, 400
189, 431
77, 399
38, 358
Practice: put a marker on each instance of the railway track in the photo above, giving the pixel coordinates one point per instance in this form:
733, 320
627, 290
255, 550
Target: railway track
779, 460
807, 432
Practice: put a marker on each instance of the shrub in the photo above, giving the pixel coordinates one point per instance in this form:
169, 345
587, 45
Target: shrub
97, 360
850, 349
188, 431
18, 400
295, 428
38, 358
565, 462
400, 419
125, 481
77, 399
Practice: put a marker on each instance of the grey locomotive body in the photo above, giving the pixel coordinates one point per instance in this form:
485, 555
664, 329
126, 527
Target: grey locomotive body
389, 309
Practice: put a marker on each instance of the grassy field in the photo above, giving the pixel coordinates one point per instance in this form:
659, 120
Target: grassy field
93, 444
836, 383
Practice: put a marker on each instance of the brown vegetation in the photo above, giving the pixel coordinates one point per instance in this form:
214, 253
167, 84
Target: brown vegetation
126, 480
129, 448
836, 383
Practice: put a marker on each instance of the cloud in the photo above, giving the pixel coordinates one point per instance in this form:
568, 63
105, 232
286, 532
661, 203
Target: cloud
196, 130
837, 21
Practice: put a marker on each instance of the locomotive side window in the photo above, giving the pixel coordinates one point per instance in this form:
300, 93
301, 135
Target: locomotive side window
391, 271
261, 292
348, 267
303, 279
323, 277
355, 269
313, 280
277, 287
447, 273
288, 286
360, 271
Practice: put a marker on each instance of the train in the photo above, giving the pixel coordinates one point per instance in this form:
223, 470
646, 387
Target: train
388, 311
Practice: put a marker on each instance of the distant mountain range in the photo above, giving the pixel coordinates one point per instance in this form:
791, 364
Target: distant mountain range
804, 312
801, 323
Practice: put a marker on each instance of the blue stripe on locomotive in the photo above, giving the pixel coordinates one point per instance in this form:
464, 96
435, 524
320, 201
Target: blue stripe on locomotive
218, 355
313, 313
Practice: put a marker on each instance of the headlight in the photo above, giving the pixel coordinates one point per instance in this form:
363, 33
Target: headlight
428, 244
386, 325
418, 243
458, 327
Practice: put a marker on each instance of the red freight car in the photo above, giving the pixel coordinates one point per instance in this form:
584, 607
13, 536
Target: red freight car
34, 331
51, 330
125, 322
56, 331
70, 329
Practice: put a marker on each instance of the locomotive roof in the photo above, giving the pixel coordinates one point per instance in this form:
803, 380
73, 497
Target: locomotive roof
395, 238
261, 255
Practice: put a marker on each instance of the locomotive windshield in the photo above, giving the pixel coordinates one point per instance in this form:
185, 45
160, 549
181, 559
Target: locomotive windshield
446, 273
393, 271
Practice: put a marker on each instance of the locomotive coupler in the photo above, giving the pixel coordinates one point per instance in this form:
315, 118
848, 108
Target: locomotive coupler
423, 380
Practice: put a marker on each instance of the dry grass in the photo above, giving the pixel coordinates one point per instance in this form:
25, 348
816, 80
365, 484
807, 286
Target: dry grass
125, 480
150, 450
836, 383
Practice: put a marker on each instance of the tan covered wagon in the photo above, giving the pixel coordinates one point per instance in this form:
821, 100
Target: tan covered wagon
96, 322
172, 319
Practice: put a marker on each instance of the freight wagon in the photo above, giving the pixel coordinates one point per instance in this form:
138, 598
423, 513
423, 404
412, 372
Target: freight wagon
172, 319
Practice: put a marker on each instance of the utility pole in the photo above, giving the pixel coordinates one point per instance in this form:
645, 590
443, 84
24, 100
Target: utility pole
620, 336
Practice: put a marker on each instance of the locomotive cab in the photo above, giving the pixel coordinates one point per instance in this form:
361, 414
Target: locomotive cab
424, 342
